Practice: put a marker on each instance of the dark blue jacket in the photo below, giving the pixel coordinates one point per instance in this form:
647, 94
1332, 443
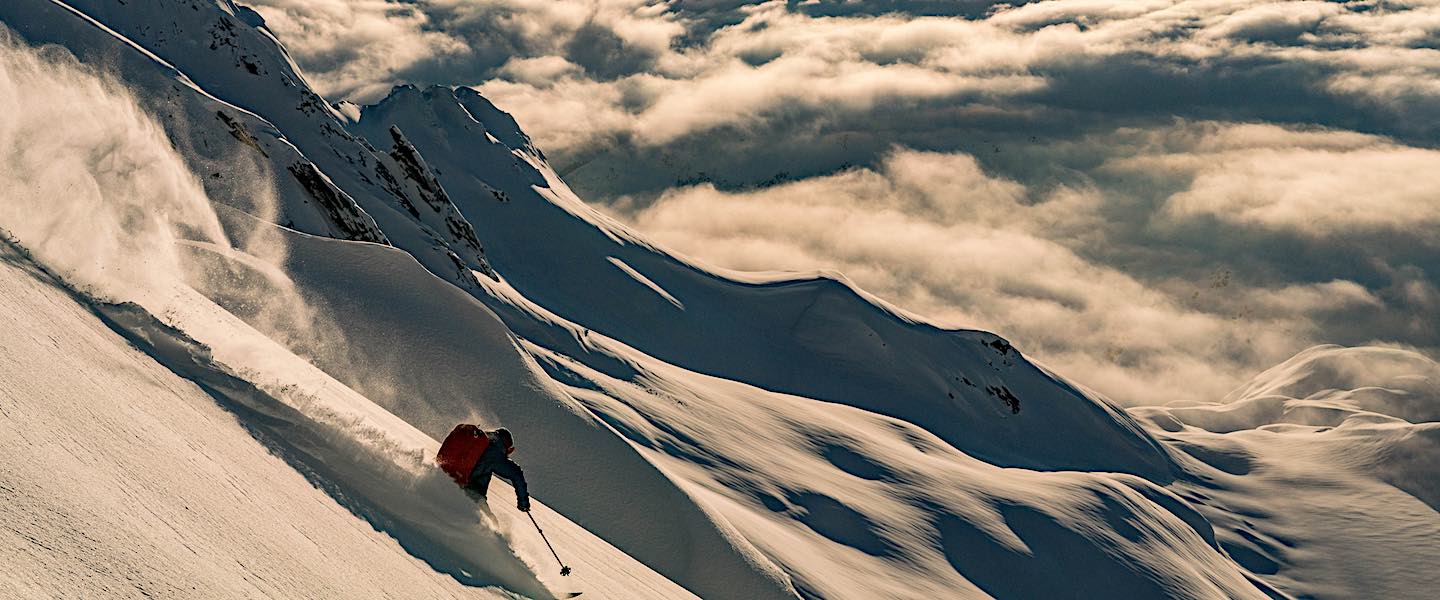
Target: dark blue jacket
496, 461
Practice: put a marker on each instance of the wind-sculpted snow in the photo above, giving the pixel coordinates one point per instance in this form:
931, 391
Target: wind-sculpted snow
1320, 473
886, 509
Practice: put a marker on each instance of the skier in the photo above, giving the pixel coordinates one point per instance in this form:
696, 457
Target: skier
470, 455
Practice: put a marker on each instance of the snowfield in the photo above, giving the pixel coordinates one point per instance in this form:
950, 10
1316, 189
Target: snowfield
234, 319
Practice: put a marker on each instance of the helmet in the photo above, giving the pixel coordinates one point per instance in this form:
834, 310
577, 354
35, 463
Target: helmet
504, 436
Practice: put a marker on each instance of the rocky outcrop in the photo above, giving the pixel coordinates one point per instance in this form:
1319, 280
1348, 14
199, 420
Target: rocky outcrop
353, 223
422, 182
419, 172
240, 132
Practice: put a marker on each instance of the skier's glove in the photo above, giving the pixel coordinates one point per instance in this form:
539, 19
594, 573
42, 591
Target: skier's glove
523, 504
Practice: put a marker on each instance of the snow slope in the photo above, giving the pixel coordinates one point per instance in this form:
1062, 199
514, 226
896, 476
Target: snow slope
335, 289
443, 358
1320, 472
858, 524
254, 496
122, 479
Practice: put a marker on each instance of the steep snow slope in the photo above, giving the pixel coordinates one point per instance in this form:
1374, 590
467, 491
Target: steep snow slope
118, 478
435, 356
122, 476
883, 509
380, 466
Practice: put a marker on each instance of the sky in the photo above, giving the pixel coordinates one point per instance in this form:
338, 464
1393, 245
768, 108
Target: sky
1157, 199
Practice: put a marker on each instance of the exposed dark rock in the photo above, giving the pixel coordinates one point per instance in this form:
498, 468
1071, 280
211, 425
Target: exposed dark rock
1004, 394
347, 216
415, 168
418, 172
464, 273
388, 182
239, 132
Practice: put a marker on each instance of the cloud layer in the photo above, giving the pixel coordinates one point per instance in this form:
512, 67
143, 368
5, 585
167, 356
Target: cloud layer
1146, 320
1160, 198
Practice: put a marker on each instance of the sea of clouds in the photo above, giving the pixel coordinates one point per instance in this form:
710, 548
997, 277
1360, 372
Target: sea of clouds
1157, 198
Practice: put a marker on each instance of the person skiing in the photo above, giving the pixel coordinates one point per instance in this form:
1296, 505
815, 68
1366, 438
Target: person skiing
471, 455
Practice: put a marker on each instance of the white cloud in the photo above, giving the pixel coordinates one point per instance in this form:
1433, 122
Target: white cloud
358, 49
1314, 183
1270, 22
541, 71
771, 61
355, 47
1301, 299
576, 109
741, 95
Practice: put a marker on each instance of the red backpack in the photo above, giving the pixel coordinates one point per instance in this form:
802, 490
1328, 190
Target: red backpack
461, 450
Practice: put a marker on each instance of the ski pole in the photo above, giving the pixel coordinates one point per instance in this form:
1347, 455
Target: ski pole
564, 570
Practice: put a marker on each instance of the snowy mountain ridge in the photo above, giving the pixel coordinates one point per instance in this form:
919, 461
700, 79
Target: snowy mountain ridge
349, 282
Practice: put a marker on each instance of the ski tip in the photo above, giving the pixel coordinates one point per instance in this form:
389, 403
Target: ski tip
573, 594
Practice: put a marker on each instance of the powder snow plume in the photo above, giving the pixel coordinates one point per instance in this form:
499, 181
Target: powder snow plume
97, 193
94, 188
